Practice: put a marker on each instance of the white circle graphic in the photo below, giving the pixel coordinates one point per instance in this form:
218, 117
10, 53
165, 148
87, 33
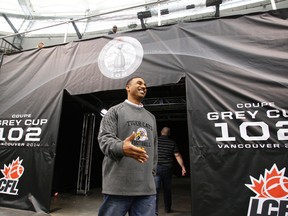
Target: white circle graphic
120, 57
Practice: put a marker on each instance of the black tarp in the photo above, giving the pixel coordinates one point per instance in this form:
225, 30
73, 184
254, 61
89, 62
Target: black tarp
231, 66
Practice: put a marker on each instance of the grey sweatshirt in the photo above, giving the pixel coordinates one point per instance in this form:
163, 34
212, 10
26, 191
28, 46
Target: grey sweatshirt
123, 175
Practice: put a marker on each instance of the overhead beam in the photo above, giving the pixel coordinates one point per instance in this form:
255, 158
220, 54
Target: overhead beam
164, 101
26, 7
10, 23
76, 29
16, 37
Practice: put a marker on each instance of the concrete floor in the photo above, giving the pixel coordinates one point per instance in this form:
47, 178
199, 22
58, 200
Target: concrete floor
69, 204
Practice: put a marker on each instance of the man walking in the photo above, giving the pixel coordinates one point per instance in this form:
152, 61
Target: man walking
167, 150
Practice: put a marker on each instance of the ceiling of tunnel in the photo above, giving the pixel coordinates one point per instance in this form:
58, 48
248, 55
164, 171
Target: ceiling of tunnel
54, 17
166, 102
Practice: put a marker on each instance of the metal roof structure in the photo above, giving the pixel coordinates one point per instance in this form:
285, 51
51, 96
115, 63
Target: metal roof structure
80, 19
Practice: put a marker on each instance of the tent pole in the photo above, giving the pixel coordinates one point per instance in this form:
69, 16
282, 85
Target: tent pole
273, 5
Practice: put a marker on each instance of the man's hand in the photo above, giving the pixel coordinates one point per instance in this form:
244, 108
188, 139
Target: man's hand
183, 171
133, 151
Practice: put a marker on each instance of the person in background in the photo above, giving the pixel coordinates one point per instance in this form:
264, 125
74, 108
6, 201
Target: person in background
40, 45
128, 139
113, 30
167, 150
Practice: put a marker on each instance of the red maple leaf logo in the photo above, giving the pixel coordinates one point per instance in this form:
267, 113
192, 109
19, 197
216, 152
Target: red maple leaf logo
5, 171
14, 170
273, 184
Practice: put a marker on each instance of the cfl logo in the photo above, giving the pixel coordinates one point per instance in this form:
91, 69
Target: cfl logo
8, 186
271, 191
268, 207
12, 173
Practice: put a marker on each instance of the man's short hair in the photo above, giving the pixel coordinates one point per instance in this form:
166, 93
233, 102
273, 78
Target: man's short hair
128, 81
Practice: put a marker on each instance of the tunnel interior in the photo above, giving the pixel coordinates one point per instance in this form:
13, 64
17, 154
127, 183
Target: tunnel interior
167, 103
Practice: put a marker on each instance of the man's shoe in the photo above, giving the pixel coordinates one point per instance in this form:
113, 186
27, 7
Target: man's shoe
167, 210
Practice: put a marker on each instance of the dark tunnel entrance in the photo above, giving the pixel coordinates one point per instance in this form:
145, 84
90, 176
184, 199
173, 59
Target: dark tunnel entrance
167, 103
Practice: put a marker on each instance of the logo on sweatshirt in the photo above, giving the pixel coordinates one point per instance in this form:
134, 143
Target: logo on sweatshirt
271, 193
120, 57
141, 134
